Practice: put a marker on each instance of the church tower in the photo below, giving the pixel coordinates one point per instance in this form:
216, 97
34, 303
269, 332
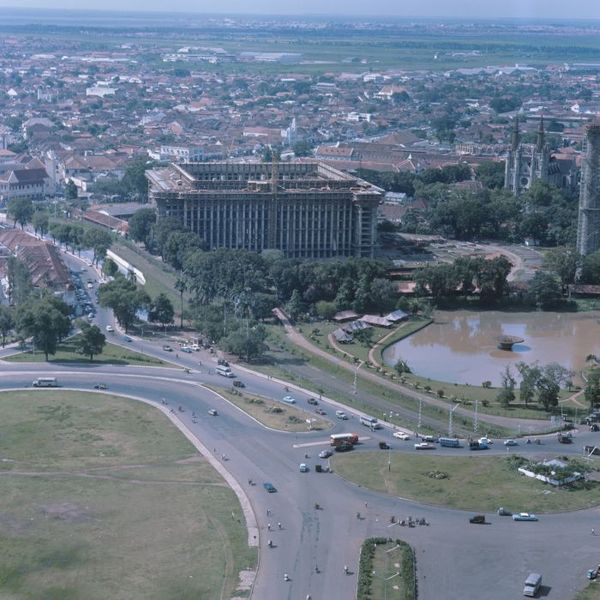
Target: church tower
588, 227
526, 163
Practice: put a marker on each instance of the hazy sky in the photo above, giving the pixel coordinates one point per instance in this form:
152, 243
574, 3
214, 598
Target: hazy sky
427, 8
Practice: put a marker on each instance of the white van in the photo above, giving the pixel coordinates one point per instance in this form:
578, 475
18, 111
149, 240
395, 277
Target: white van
340, 414
45, 382
224, 371
532, 585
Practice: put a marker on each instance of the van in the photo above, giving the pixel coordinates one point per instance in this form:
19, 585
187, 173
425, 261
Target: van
45, 382
532, 585
340, 414
224, 371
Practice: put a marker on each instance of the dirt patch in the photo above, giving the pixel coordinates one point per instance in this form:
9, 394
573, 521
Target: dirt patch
65, 511
245, 584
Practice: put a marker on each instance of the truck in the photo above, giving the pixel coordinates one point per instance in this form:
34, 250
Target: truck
478, 445
337, 439
449, 442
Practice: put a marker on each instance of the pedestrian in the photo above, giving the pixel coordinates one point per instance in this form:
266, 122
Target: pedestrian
269, 526
278, 525
366, 505
268, 512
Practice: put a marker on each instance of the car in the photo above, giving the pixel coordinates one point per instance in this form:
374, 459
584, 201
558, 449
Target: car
100, 386
213, 412
186, 349
167, 348
429, 438
110, 328
340, 414
478, 520
238, 383
269, 487
313, 401
325, 453
401, 435
320, 411
485, 440
524, 517
502, 512
195, 347
384, 446
303, 468
344, 448
424, 446
127, 339
511, 443
289, 400
90, 315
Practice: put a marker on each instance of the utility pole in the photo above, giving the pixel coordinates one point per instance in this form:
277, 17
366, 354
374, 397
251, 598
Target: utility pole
420, 421
476, 419
450, 417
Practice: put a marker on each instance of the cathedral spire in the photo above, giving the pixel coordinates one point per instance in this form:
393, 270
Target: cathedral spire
515, 134
541, 136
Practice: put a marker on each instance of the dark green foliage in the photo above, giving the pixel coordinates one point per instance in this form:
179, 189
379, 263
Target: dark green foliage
91, 341
124, 298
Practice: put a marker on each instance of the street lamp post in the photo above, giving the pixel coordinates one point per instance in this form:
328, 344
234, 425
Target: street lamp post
450, 422
419, 422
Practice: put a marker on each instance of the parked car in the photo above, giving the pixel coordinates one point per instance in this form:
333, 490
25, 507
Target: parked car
424, 446
478, 520
238, 383
186, 349
289, 400
384, 446
313, 401
303, 468
213, 412
269, 487
110, 328
524, 517
320, 411
325, 453
401, 435
167, 348
511, 443
100, 386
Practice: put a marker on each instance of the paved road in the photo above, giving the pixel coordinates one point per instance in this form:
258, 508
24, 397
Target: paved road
464, 560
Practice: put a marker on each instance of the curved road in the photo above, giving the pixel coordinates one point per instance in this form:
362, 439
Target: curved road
461, 559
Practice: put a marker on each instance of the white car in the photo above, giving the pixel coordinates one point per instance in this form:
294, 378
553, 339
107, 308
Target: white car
511, 443
340, 414
401, 435
110, 328
289, 400
485, 440
303, 468
213, 412
325, 453
424, 446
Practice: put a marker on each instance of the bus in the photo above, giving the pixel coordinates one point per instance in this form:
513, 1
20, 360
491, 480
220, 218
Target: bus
449, 442
371, 422
224, 371
532, 585
337, 439
45, 382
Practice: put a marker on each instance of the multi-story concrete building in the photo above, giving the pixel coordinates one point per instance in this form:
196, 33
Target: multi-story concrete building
588, 228
305, 209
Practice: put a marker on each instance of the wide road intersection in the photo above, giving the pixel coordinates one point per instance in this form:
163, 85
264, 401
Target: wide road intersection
454, 559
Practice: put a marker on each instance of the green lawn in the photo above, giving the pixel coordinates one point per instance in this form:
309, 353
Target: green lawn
102, 497
67, 353
476, 483
591, 592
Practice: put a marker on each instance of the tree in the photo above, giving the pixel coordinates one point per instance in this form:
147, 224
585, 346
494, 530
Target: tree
302, 148
249, 344
20, 210
46, 321
110, 267
544, 290
99, 241
124, 298
178, 245
140, 225
161, 310
134, 180
503, 104
325, 310
530, 375
491, 174
592, 388
563, 262
383, 295
71, 191
295, 306
19, 281
181, 287
548, 392
40, 222
591, 268
7, 322
91, 340
506, 395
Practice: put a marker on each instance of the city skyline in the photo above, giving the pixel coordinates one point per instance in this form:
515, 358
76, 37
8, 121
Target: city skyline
427, 8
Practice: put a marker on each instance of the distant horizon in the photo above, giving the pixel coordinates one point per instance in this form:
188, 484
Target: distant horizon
469, 10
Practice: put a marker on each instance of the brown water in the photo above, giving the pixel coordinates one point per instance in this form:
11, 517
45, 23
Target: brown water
461, 346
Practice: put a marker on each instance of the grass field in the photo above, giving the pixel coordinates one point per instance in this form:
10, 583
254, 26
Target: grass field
102, 497
390, 559
67, 353
591, 592
471, 483
275, 415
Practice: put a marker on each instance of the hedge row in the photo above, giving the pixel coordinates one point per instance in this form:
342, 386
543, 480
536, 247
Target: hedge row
407, 569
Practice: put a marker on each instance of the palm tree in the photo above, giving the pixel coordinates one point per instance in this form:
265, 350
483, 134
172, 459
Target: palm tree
181, 287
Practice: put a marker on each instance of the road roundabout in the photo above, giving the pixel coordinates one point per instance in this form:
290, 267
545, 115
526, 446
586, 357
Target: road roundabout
452, 555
